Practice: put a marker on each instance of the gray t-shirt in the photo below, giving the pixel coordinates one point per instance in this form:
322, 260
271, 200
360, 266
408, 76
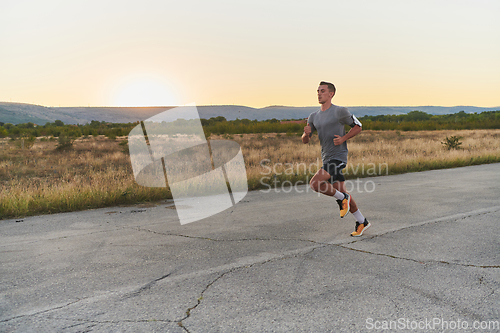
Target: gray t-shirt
329, 123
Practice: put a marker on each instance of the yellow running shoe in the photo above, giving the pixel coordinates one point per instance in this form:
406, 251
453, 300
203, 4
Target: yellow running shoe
344, 205
360, 228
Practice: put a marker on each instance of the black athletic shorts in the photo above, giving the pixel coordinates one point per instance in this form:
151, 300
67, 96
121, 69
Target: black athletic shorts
334, 168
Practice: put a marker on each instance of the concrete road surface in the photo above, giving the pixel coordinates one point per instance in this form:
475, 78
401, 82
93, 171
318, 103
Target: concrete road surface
276, 262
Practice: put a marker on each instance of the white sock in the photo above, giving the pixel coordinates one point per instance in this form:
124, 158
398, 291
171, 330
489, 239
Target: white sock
358, 216
339, 195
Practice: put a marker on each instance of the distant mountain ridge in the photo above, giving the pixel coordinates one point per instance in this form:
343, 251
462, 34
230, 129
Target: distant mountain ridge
17, 113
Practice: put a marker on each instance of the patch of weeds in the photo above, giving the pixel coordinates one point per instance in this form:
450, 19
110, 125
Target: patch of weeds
64, 142
452, 142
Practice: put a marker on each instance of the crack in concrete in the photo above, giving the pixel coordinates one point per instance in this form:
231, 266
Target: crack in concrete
434, 299
83, 321
343, 245
486, 284
449, 219
43, 311
62, 237
79, 324
94, 323
423, 262
229, 240
147, 286
200, 298
136, 293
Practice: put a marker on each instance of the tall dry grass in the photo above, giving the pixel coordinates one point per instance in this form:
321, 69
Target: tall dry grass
96, 172
371, 153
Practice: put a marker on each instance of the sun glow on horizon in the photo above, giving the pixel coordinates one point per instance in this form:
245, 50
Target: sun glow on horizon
144, 90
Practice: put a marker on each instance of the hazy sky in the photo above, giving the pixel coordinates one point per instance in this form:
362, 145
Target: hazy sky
253, 52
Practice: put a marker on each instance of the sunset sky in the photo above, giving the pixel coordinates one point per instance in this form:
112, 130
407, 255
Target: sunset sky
255, 53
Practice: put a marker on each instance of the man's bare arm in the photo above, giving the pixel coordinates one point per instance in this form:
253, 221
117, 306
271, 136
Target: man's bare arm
305, 135
338, 140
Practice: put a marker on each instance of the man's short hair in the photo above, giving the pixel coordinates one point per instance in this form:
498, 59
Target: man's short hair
331, 87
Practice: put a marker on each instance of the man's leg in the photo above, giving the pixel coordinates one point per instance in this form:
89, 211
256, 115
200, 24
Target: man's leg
319, 183
340, 186
361, 222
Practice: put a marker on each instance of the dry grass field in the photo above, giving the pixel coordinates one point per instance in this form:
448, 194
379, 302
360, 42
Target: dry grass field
395, 152
96, 172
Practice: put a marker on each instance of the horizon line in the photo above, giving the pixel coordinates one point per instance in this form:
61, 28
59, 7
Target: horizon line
265, 107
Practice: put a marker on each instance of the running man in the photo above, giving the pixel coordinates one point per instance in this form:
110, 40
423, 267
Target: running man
329, 121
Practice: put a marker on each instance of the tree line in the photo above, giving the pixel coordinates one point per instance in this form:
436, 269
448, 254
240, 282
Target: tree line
58, 128
418, 120
412, 121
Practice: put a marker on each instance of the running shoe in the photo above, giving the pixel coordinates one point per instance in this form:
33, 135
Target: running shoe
344, 205
360, 228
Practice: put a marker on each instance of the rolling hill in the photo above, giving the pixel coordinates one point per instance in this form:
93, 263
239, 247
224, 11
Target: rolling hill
17, 113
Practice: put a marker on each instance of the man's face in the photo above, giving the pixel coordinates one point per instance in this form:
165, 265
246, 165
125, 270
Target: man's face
324, 95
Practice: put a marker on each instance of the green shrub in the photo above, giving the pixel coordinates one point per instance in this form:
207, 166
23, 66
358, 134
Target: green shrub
452, 142
64, 142
25, 142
